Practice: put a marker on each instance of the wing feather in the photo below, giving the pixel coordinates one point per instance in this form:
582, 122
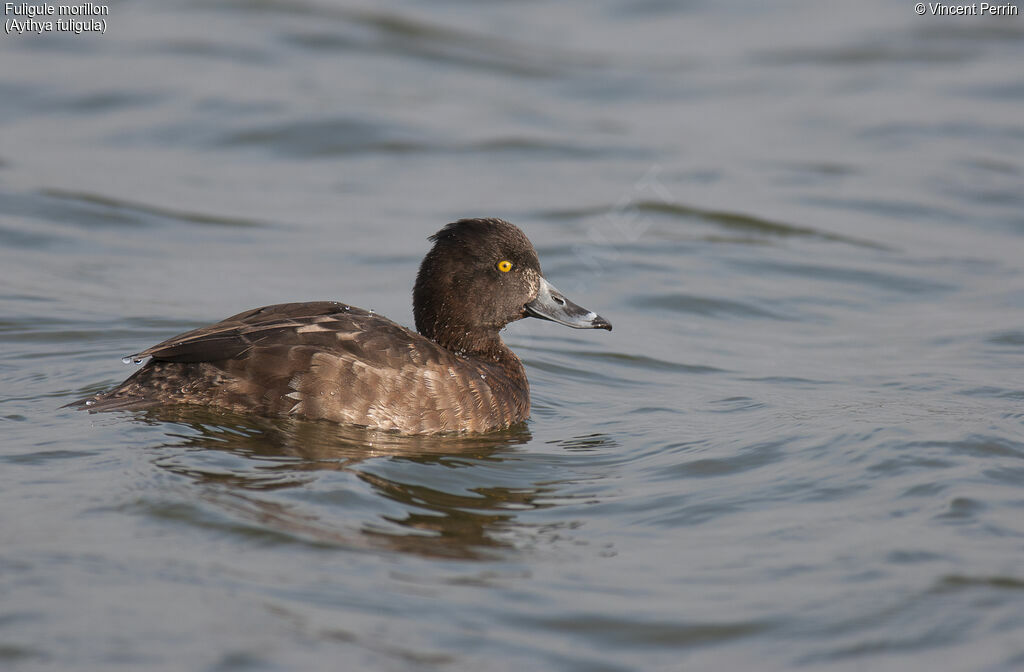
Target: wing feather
234, 337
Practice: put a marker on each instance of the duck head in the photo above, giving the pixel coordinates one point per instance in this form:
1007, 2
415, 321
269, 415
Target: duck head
480, 275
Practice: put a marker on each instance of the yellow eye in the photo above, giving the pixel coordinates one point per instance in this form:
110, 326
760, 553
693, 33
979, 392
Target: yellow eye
504, 265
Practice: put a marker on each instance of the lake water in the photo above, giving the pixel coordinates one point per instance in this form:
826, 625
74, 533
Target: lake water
801, 448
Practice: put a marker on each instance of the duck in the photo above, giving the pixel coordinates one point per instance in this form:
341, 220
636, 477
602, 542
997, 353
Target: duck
326, 360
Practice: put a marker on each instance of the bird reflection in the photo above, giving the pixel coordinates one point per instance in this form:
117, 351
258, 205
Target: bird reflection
253, 467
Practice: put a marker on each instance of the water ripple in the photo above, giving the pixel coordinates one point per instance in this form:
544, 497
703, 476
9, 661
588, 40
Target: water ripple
112, 210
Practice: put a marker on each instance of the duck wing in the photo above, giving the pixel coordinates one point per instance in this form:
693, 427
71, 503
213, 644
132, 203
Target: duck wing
236, 336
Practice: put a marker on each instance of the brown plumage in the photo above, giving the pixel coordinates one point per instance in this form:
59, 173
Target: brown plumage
326, 360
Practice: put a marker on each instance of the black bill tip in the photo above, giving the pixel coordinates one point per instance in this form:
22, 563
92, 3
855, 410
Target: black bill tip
551, 304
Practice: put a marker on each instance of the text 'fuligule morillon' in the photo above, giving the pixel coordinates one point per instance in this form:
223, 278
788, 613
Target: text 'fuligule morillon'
45, 9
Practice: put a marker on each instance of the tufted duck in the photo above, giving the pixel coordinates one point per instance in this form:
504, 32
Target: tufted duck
327, 360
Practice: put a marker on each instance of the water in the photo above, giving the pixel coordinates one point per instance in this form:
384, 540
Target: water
801, 447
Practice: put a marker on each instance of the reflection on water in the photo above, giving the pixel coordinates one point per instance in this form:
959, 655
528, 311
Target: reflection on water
321, 443
462, 521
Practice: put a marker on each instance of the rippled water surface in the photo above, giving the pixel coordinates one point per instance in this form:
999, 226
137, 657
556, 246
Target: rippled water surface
801, 448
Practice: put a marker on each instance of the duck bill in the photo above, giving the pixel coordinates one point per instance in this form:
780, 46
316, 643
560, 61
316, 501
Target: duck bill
551, 304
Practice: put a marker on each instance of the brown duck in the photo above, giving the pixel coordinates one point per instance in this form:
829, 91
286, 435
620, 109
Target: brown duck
327, 360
